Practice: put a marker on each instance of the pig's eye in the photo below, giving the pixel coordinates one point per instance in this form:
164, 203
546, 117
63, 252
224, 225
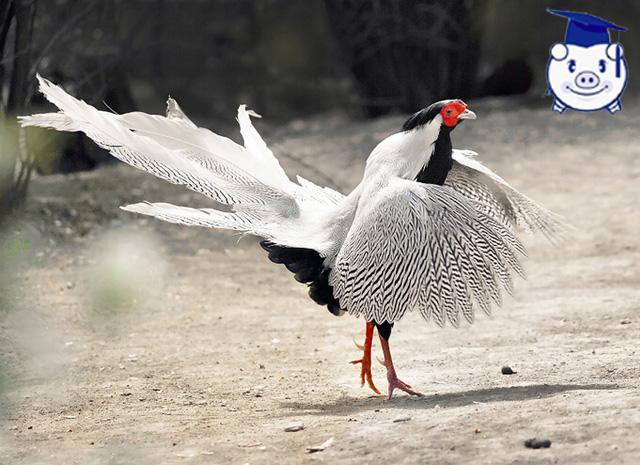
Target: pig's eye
602, 65
572, 66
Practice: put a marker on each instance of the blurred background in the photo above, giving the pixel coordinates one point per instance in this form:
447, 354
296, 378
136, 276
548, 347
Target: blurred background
287, 59
107, 318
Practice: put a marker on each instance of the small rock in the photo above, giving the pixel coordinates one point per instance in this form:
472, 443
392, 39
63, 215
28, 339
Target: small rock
292, 428
506, 370
625, 322
477, 431
321, 447
401, 419
535, 443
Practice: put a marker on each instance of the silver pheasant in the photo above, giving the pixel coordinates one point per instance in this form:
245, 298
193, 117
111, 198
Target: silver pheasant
428, 228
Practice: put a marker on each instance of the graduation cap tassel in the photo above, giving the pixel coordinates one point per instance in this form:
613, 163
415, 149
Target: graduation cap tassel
618, 56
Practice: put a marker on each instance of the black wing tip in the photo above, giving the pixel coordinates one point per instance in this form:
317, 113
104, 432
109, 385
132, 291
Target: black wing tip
308, 268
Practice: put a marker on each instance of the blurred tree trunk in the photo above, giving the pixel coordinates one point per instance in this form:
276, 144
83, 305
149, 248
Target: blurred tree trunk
405, 54
14, 168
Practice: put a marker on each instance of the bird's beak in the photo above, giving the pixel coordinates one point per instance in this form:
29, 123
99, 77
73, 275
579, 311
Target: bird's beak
467, 114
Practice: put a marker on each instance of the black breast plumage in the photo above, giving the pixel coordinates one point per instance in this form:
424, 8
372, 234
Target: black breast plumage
440, 163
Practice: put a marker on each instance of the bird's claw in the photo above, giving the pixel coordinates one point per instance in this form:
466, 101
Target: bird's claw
365, 373
395, 383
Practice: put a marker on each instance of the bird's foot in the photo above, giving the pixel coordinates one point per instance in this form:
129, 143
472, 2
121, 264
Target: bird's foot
396, 383
365, 361
365, 372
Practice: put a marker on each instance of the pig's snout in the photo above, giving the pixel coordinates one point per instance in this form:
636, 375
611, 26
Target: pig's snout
587, 80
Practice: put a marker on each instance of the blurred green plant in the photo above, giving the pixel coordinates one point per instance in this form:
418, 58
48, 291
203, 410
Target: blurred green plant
127, 271
16, 38
4, 389
18, 247
27, 349
113, 290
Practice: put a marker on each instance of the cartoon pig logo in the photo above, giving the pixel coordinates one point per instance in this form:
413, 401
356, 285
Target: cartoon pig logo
586, 72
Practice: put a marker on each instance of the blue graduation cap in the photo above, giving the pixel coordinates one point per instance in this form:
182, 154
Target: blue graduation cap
586, 30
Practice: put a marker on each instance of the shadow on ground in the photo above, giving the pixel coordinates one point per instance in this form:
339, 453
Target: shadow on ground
449, 400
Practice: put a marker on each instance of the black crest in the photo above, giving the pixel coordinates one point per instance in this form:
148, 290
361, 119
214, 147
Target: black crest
423, 116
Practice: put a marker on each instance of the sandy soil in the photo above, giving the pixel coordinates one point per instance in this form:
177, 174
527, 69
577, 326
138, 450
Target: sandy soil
124, 340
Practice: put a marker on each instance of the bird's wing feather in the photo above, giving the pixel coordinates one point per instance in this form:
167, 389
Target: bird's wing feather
499, 199
207, 217
177, 132
424, 246
170, 149
174, 112
324, 195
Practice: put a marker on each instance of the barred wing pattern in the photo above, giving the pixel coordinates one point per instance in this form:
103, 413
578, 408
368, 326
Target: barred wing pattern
247, 178
495, 197
174, 150
207, 217
424, 246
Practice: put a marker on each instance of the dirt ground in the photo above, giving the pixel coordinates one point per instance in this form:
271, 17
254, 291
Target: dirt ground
125, 340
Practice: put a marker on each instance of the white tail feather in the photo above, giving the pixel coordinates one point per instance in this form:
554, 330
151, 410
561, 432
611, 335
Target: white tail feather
206, 217
194, 157
249, 179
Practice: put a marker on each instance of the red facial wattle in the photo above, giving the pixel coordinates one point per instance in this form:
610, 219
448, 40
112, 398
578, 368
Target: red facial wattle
451, 111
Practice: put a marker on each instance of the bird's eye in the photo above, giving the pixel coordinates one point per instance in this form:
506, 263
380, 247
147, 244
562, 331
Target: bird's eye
449, 111
602, 66
572, 66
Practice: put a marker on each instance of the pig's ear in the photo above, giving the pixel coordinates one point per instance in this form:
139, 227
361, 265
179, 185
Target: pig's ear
614, 51
559, 52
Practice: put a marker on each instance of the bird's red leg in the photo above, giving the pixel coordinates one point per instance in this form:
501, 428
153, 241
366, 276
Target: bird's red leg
394, 382
365, 361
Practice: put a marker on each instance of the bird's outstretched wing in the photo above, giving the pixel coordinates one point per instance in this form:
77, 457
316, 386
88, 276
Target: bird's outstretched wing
247, 178
173, 149
424, 246
495, 197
